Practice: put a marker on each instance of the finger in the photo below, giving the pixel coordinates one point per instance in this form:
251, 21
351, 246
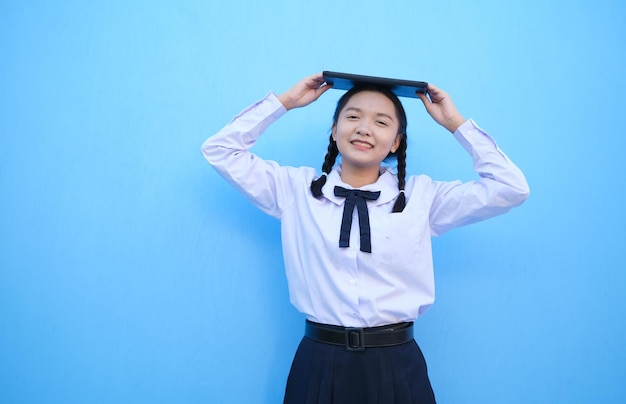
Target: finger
436, 94
325, 87
315, 80
425, 100
321, 90
433, 88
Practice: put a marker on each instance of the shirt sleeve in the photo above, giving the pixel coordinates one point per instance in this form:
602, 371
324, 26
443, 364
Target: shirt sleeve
263, 182
501, 185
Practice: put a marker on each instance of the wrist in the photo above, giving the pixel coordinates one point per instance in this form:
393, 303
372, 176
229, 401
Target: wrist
284, 99
453, 124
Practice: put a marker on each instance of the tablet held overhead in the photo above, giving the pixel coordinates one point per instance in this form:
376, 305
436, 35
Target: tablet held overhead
402, 88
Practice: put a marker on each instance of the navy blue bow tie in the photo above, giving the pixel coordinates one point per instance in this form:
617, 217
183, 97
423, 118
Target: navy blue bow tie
358, 198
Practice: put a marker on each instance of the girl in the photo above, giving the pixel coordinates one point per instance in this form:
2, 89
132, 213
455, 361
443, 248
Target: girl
356, 239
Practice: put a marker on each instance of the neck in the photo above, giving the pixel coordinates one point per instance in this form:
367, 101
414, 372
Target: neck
360, 177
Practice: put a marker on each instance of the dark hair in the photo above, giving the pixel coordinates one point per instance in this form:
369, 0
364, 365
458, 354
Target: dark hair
399, 154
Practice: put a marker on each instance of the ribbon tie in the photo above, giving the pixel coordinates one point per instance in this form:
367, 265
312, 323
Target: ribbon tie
358, 198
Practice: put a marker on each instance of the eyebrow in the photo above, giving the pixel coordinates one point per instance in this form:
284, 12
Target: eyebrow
378, 114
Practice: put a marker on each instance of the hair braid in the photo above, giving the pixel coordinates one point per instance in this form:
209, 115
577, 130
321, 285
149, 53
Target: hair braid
329, 162
401, 156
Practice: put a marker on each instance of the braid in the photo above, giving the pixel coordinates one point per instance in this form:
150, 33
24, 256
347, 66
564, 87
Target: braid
401, 155
329, 162
331, 155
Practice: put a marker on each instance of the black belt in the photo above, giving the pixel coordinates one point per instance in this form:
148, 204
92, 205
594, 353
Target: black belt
357, 339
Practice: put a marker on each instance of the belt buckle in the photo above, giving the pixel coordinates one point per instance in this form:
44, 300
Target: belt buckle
355, 340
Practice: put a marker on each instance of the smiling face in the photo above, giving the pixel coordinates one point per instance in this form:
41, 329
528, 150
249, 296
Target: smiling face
366, 132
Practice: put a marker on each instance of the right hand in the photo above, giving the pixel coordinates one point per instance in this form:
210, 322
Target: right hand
304, 92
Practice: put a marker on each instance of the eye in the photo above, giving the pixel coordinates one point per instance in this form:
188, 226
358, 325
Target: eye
352, 117
382, 123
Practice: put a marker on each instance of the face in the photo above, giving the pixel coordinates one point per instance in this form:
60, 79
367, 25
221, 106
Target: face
366, 130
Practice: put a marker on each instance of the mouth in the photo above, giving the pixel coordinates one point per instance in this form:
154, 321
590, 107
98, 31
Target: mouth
359, 144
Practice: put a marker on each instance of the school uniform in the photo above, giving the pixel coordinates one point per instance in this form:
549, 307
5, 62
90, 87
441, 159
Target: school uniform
367, 275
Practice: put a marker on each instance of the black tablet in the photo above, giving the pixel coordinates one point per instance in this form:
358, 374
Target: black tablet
402, 88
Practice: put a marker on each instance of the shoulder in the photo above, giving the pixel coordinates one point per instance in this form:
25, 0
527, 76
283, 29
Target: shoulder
417, 183
300, 175
422, 187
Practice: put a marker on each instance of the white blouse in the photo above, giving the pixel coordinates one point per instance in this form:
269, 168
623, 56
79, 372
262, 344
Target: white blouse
345, 286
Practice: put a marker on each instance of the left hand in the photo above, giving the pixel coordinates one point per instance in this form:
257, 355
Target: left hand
441, 108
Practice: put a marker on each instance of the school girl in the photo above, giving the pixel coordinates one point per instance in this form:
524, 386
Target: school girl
357, 238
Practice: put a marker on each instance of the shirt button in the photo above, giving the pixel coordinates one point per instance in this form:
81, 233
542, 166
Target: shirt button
353, 281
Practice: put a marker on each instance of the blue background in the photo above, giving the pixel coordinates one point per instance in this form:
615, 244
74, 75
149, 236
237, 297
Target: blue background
130, 272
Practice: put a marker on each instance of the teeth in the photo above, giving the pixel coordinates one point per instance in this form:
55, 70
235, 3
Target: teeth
356, 142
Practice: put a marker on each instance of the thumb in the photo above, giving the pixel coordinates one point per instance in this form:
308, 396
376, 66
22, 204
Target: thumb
426, 101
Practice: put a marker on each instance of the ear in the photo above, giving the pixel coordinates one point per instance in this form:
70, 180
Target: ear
334, 131
396, 143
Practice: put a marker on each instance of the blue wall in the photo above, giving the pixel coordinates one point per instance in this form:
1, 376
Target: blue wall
130, 272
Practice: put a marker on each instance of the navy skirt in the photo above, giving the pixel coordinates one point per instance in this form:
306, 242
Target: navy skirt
324, 374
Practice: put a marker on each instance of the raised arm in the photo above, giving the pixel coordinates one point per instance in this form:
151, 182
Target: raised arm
228, 151
501, 184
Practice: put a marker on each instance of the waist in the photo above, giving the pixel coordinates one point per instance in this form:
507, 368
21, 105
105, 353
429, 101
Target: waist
357, 339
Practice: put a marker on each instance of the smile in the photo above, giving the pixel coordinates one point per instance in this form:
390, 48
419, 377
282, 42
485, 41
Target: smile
361, 145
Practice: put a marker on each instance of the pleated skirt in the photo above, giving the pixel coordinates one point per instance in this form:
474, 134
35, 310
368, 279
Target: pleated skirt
329, 374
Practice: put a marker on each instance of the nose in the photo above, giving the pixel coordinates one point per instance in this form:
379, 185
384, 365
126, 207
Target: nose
363, 128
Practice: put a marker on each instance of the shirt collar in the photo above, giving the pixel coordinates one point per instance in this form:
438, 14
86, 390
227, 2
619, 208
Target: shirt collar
387, 184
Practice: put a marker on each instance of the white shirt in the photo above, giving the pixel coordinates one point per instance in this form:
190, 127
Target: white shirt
345, 286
